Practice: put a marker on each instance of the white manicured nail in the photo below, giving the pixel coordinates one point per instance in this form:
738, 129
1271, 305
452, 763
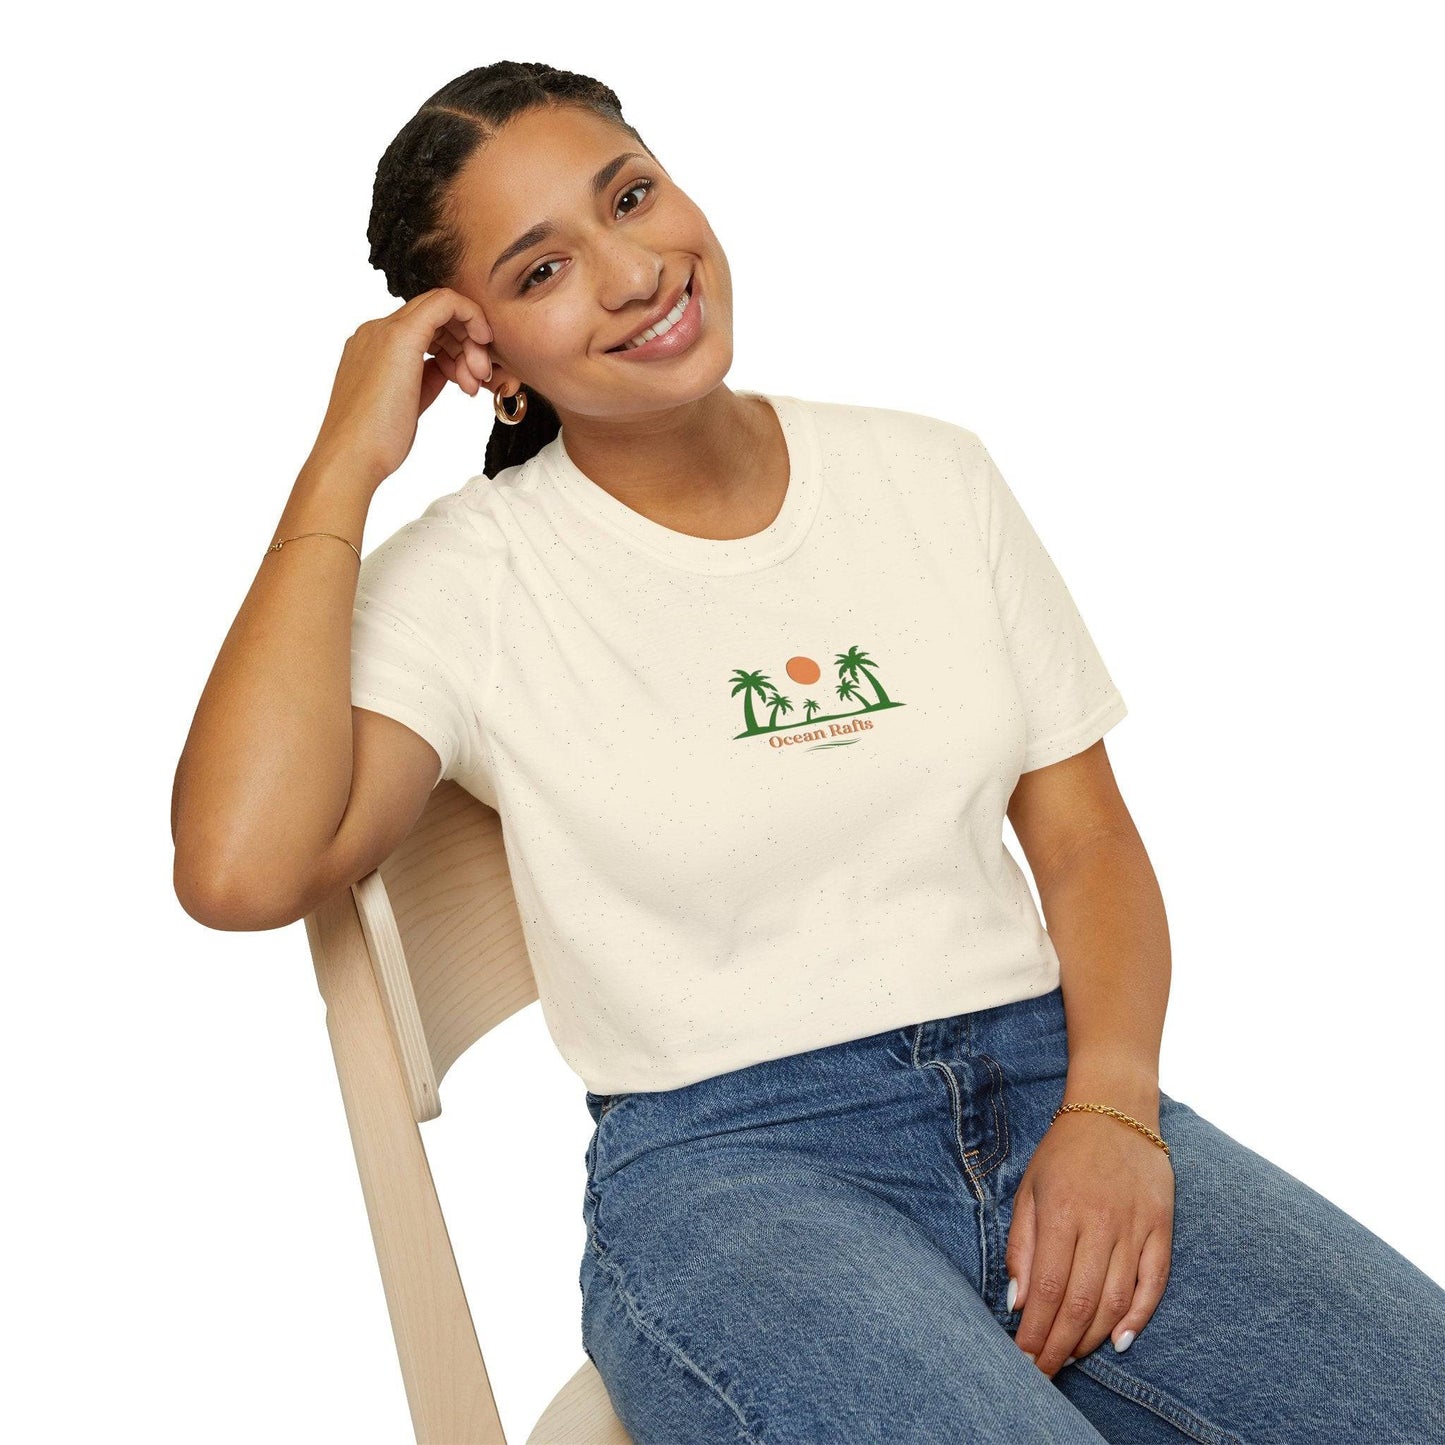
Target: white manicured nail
1123, 1342
1013, 1294
1071, 1359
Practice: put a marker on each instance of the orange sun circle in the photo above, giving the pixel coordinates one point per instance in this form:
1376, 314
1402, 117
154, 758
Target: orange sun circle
803, 670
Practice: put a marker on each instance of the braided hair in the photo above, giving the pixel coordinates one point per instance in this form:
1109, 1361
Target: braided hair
413, 241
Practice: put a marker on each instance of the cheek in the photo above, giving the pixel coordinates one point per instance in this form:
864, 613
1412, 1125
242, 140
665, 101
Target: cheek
544, 337
718, 255
701, 223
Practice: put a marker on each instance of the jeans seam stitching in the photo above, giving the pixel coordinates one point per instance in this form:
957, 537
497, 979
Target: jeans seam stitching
956, 1111
1133, 1389
917, 1041
659, 1337
1000, 1120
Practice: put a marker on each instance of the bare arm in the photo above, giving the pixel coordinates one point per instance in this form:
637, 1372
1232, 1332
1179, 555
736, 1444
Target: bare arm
1089, 1242
284, 790
265, 775
1105, 914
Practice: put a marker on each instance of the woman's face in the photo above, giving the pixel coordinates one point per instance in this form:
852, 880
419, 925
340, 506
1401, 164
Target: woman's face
558, 305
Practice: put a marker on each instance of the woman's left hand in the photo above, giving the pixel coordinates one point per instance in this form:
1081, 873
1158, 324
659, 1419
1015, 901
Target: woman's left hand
1091, 1237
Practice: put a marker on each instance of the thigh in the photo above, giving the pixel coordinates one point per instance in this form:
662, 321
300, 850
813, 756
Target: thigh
1283, 1320
739, 1298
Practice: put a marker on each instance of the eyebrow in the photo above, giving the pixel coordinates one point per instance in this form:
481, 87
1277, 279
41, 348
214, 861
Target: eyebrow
543, 229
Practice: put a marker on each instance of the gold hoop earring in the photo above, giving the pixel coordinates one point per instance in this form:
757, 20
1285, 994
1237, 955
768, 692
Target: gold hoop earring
510, 417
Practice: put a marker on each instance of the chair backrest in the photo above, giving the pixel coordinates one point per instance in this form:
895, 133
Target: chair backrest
441, 922
416, 962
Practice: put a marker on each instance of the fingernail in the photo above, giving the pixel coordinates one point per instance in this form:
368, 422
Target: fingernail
1071, 1359
1030, 1358
1013, 1294
1123, 1342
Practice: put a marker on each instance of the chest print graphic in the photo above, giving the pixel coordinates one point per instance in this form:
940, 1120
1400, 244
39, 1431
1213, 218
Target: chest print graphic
805, 672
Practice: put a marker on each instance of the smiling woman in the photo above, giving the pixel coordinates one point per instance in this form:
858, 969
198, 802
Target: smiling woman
753, 683
595, 252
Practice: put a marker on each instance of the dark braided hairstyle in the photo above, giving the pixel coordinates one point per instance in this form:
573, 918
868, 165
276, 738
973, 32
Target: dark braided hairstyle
413, 240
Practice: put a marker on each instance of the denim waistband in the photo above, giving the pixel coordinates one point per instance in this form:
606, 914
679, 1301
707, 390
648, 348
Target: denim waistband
1025, 1036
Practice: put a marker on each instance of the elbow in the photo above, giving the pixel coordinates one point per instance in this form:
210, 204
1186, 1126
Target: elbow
230, 904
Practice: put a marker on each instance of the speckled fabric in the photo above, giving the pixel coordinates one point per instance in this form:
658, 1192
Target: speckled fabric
752, 791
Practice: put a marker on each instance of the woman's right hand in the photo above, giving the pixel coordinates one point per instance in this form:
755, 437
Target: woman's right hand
393, 368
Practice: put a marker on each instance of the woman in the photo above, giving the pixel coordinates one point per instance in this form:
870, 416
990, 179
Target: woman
876, 1156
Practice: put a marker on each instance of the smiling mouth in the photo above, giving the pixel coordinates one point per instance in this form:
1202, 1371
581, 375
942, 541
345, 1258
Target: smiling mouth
612, 350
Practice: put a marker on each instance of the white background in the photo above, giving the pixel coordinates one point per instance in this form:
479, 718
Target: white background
1180, 270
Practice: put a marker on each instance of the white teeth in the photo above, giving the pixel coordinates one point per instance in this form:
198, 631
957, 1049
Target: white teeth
663, 326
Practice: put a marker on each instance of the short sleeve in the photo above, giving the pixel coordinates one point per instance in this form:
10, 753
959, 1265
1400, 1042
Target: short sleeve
1069, 698
411, 657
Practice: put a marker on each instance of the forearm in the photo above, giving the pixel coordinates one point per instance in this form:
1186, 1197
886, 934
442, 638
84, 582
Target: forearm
1105, 914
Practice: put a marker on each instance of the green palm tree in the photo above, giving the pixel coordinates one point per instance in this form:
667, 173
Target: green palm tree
810, 707
749, 683
848, 691
855, 660
778, 703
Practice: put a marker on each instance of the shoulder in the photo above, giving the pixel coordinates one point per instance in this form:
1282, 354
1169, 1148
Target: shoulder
928, 457
443, 550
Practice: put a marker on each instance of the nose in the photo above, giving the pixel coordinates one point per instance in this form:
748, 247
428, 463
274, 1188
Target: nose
629, 272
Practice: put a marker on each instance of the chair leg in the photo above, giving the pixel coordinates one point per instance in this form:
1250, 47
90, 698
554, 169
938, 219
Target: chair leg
447, 1388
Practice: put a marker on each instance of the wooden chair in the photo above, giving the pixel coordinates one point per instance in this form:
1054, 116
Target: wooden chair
416, 962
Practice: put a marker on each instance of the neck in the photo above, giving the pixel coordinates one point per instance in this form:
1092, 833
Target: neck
684, 461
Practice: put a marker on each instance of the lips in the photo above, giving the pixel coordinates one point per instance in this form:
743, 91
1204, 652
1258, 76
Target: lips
654, 318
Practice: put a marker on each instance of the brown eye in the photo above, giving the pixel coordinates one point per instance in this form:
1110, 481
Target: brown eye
643, 186
531, 279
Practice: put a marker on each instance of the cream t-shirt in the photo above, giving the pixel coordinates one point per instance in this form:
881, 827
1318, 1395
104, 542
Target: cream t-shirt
752, 791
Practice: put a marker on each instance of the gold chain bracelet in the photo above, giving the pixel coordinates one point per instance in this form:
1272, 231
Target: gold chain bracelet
277, 546
1113, 1113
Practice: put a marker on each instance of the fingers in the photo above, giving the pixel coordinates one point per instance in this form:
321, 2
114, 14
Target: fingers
457, 329
444, 307
1068, 1270
460, 333
443, 339
1087, 1287
478, 360
470, 366
1153, 1276
476, 323
447, 365
1114, 1299
1018, 1256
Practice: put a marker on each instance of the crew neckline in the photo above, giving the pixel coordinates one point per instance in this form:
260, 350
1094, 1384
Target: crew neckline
709, 554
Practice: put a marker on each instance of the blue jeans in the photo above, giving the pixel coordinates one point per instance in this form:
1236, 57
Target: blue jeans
811, 1249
